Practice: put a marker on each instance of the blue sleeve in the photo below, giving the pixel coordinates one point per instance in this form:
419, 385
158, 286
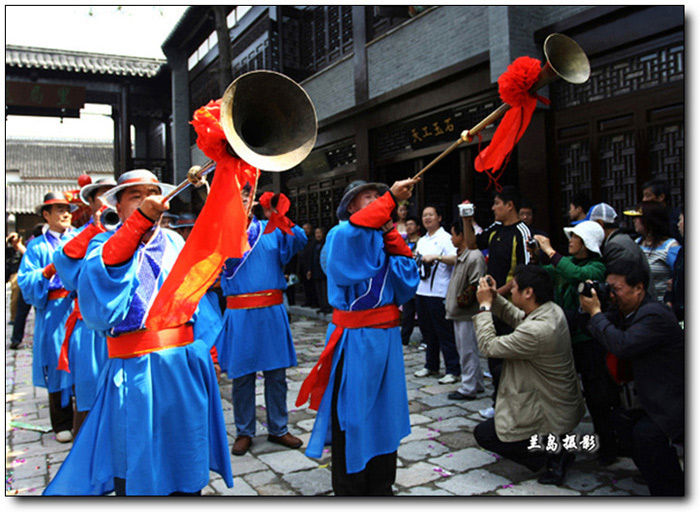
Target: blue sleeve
207, 322
67, 268
290, 245
34, 286
353, 254
105, 293
404, 278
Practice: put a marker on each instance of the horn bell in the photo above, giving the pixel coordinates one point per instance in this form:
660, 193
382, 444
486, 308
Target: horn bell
567, 59
269, 120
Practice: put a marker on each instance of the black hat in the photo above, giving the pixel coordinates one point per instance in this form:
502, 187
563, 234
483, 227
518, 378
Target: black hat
54, 198
351, 191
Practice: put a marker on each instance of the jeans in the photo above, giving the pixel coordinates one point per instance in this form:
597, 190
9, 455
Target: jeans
438, 334
275, 403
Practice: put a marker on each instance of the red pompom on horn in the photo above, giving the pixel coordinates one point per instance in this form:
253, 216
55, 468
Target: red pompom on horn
514, 88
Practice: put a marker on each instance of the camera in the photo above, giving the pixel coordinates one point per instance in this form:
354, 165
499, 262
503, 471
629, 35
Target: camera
533, 244
602, 289
466, 210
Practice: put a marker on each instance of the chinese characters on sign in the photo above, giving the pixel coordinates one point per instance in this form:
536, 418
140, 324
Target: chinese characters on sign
569, 442
43, 96
428, 131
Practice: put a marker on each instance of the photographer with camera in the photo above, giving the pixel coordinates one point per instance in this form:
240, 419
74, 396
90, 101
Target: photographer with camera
647, 333
583, 264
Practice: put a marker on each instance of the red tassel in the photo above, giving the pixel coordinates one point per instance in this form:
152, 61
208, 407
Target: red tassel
514, 88
277, 219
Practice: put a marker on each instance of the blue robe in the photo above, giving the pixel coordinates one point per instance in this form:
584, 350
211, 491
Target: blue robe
87, 353
258, 339
372, 399
157, 420
51, 315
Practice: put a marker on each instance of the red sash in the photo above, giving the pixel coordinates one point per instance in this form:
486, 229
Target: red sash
138, 343
60, 293
315, 384
70, 326
255, 300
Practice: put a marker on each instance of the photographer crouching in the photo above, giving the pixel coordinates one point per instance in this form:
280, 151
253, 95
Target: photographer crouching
645, 332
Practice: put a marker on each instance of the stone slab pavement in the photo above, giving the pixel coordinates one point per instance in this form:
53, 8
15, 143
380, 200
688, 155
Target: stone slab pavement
439, 458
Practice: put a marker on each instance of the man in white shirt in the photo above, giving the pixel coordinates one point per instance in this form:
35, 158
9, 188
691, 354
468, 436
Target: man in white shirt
437, 257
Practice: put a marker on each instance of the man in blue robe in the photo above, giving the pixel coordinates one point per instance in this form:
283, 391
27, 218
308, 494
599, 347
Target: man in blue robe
359, 384
84, 351
256, 334
43, 289
156, 426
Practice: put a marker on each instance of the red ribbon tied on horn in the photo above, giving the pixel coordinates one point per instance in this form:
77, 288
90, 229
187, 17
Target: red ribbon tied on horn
219, 233
514, 89
278, 218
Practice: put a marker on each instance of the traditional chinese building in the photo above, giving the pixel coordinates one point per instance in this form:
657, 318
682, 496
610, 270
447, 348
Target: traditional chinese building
394, 86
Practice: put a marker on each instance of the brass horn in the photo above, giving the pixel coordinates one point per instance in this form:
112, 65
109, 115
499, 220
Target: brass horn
565, 59
109, 219
269, 122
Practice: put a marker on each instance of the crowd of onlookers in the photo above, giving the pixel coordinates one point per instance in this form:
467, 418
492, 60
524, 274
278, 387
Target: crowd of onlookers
599, 322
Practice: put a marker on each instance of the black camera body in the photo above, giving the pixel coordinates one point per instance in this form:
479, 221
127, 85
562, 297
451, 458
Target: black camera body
533, 244
602, 289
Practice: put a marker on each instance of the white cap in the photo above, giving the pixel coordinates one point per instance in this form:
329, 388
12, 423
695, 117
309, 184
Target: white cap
590, 232
604, 212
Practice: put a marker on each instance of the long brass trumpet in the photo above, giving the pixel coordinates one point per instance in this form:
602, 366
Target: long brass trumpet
565, 59
269, 122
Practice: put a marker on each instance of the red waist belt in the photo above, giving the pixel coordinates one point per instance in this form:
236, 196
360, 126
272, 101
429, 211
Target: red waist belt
138, 343
254, 300
315, 384
70, 326
58, 294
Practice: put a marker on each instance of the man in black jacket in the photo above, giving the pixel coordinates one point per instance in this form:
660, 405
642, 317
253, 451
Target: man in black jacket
646, 332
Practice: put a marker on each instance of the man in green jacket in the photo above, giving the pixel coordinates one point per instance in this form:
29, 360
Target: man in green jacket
584, 263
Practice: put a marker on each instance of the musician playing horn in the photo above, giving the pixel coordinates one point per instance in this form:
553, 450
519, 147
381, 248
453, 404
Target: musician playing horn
359, 383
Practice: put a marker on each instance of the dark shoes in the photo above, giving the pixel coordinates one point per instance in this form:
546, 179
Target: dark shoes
15, 345
287, 440
556, 468
459, 396
242, 445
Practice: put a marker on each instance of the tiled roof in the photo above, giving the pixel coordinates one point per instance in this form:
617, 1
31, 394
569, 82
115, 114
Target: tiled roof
23, 197
85, 62
58, 160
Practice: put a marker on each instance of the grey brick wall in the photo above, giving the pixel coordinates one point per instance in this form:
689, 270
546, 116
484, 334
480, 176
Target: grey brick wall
332, 90
438, 39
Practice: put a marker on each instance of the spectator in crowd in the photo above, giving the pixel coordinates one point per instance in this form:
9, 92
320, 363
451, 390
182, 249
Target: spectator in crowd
651, 221
401, 216
526, 214
578, 207
437, 255
317, 275
618, 245
460, 306
647, 333
408, 310
584, 263
539, 392
506, 242
19, 309
675, 293
657, 190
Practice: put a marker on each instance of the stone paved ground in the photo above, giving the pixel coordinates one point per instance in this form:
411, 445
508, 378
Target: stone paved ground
439, 458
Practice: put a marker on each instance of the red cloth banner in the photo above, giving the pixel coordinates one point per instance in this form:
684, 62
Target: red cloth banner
218, 234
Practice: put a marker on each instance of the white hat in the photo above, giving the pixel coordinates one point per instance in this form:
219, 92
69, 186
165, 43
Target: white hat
590, 232
89, 188
604, 212
131, 179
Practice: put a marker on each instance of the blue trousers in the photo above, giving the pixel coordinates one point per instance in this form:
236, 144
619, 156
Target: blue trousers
438, 334
275, 403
